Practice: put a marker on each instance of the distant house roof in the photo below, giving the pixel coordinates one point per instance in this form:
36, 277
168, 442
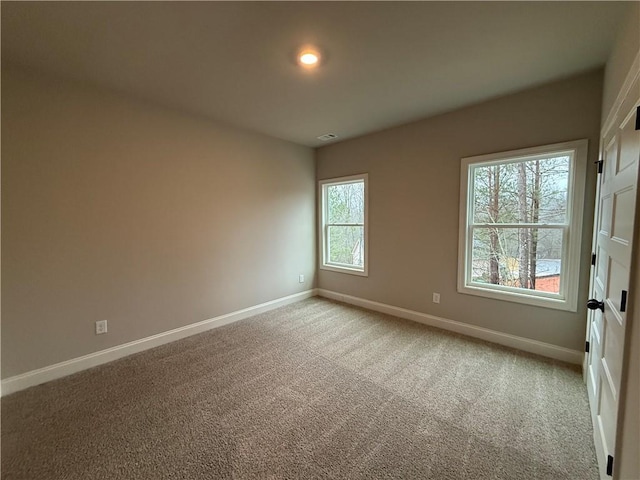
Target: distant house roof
548, 267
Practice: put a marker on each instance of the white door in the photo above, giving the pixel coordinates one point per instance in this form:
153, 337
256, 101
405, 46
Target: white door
612, 244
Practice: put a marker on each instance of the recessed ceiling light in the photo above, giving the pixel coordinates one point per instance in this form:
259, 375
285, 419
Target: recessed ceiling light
327, 136
309, 57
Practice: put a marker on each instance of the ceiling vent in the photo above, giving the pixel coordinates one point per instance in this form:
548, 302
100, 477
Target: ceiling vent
327, 136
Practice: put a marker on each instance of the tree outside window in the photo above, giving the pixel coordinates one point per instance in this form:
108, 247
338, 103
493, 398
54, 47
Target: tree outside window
343, 224
520, 223
530, 192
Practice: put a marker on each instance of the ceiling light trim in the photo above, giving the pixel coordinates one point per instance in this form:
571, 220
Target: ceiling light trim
327, 137
309, 57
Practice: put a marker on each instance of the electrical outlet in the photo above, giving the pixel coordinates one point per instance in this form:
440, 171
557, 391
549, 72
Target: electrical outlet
101, 327
436, 297
301, 278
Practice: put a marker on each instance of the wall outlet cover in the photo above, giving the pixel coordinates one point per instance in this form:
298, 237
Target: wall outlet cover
101, 327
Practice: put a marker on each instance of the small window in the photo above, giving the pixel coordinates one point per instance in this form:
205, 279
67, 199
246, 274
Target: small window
520, 225
343, 224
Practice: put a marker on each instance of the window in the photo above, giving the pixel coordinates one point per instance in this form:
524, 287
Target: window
520, 225
343, 224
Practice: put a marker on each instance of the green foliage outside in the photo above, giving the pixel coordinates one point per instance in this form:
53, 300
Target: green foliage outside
345, 208
534, 192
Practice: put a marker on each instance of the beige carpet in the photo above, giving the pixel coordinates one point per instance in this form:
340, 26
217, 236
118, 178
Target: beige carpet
316, 389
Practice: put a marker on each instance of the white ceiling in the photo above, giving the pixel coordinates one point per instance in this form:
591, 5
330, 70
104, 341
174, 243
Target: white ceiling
387, 63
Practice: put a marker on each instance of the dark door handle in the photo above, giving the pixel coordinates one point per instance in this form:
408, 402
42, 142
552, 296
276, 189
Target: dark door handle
593, 304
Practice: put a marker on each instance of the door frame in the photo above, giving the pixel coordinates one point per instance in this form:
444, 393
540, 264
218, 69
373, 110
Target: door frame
626, 93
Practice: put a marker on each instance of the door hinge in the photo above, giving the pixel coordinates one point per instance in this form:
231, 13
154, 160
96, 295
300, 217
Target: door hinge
586, 347
593, 259
609, 465
623, 301
600, 164
637, 118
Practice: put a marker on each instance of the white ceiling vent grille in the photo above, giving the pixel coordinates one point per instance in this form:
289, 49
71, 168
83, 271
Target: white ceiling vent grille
327, 136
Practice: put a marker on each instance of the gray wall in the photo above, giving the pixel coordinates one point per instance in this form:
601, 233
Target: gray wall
622, 55
116, 209
414, 177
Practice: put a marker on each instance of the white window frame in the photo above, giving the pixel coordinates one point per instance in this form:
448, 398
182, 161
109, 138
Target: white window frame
323, 225
567, 299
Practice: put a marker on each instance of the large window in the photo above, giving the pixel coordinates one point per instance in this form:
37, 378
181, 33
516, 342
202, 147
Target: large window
343, 224
520, 225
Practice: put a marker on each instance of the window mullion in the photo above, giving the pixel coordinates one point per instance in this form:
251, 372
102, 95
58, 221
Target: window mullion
520, 225
345, 224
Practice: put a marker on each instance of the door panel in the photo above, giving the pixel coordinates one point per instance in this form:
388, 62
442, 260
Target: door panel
607, 418
593, 376
622, 228
602, 266
618, 281
629, 149
611, 155
613, 241
612, 357
605, 214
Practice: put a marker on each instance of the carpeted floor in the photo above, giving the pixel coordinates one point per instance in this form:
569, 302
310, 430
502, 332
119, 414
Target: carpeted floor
316, 389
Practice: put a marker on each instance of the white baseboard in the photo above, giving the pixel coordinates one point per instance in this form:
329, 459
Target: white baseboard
62, 369
520, 343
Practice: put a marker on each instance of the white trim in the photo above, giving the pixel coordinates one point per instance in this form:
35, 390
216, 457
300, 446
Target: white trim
632, 76
513, 341
323, 264
62, 369
567, 299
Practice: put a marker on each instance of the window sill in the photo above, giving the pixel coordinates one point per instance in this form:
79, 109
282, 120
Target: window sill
347, 270
517, 297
